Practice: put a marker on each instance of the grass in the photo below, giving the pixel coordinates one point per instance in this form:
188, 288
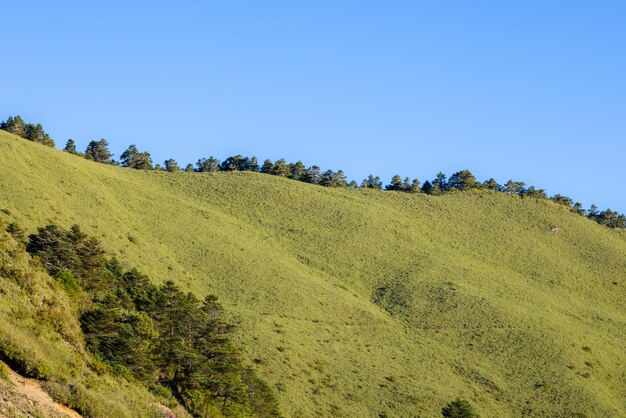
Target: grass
362, 302
40, 338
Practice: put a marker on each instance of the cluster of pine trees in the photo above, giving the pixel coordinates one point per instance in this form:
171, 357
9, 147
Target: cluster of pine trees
157, 335
463, 180
29, 131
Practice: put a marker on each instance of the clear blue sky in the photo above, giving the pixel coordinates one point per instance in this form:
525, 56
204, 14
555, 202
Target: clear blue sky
529, 90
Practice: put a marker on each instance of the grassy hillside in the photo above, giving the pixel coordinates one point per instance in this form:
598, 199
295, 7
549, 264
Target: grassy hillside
361, 302
40, 337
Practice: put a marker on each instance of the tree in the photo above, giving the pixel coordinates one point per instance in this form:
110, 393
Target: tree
372, 182
415, 186
396, 184
54, 248
578, 208
14, 125
459, 409
331, 179
440, 184
312, 175
427, 188
236, 163
254, 164
189, 168
534, 192
563, 200
70, 147
36, 133
98, 151
172, 166
514, 187
133, 158
296, 170
463, 180
491, 184
281, 168
209, 165
268, 167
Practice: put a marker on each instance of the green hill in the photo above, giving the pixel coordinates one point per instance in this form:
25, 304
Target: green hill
360, 302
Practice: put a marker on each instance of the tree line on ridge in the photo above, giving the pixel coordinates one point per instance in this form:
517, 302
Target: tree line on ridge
98, 151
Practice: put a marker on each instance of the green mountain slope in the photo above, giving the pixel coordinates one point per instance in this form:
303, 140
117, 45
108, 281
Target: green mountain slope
361, 302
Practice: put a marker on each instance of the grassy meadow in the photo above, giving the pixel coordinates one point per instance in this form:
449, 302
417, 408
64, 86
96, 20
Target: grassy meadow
361, 303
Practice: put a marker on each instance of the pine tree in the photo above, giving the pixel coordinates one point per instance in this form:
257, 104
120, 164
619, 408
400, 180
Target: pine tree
312, 175
296, 170
463, 180
14, 125
171, 165
70, 147
372, 182
440, 184
281, 168
210, 165
427, 188
36, 133
415, 186
396, 184
98, 151
133, 158
268, 167
254, 164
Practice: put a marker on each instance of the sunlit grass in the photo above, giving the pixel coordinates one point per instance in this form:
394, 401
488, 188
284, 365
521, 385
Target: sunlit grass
355, 302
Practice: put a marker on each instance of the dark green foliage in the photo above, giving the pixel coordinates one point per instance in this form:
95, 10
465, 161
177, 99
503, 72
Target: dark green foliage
17, 232
492, 184
514, 187
98, 151
459, 408
189, 168
268, 167
312, 175
70, 147
30, 131
463, 180
330, 178
427, 187
209, 165
563, 200
133, 158
14, 125
157, 335
281, 168
372, 182
415, 186
297, 170
254, 165
440, 184
236, 163
172, 166
396, 184
534, 192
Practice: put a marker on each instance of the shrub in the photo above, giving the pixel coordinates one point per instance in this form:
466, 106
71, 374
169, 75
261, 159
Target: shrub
4, 371
459, 408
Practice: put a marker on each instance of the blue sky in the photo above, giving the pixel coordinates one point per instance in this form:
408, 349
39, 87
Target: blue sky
529, 90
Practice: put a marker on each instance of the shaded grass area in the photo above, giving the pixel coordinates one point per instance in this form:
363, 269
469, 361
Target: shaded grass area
358, 302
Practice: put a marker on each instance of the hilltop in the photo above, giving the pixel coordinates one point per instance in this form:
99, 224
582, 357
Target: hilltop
357, 302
